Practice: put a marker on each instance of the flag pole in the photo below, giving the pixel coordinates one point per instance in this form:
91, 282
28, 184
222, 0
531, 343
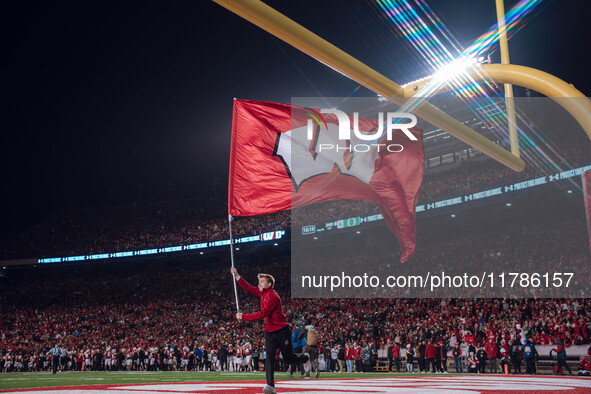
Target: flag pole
232, 259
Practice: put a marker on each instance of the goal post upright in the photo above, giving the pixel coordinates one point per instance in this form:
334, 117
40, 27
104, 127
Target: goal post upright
509, 101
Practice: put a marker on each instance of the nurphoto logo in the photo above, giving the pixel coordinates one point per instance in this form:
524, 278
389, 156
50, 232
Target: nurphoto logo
344, 131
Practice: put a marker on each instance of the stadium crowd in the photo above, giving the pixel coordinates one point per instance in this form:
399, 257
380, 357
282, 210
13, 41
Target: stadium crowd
132, 227
170, 223
157, 317
182, 317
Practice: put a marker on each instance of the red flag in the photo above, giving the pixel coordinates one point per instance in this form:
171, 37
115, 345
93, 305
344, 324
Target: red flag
276, 164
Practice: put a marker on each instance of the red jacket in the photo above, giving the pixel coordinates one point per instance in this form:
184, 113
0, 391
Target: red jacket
271, 309
491, 350
396, 351
431, 351
349, 353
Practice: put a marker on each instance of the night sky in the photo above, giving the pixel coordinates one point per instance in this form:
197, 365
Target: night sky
108, 102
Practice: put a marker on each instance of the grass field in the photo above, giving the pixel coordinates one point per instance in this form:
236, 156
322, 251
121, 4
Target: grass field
44, 379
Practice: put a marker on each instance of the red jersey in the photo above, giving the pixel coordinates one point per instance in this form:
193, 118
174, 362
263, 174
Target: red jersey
271, 309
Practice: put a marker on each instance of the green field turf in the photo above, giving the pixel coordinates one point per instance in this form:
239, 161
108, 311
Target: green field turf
46, 379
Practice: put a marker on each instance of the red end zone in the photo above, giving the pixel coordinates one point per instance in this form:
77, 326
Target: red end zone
427, 384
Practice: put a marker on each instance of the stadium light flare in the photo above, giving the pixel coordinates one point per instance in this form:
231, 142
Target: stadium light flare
448, 71
426, 33
454, 69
